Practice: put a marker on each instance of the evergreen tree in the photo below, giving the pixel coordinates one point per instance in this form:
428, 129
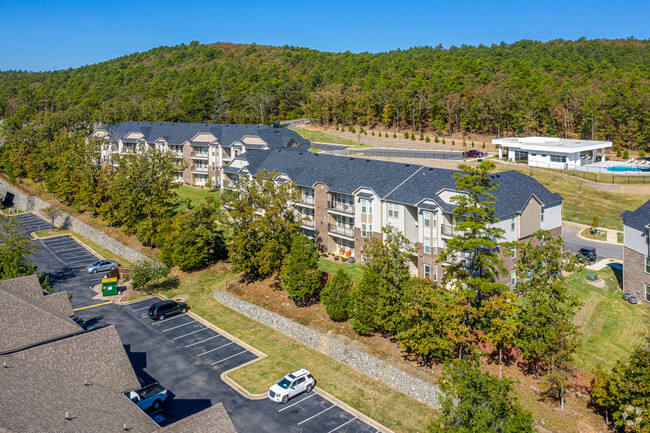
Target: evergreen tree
15, 250
336, 296
300, 274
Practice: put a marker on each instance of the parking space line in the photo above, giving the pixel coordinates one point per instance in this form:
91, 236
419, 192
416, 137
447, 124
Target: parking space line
184, 324
193, 332
214, 336
165, 321
225, 359
293, 404
216, 348
140, 309
312, 417
345, 423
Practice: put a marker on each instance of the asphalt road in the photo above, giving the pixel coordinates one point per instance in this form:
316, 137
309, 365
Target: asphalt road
603, 250
175, 353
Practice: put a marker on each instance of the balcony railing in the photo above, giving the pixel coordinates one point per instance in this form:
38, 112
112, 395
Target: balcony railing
343, 231
341, 207
449, 230
200, 168
200, 155
307, 199
307, 222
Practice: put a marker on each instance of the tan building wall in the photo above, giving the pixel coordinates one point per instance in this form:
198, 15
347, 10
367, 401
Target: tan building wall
529, 220
321, 216
187, 157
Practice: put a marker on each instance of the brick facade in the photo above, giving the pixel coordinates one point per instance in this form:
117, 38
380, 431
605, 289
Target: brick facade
321, 216
635, 276
187, 156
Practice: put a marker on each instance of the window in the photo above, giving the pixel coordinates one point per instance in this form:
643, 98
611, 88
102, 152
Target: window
393, 210
647, 235
512, 223
647, 264
435, 219
427, 218
364, 206
434, 246
558, 158
427, 271
647, 293
514, 252
435, 273
364, 233
427, 246
513, 278
541, 215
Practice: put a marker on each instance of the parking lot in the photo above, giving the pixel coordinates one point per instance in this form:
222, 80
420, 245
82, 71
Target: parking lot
192, 337
180, 352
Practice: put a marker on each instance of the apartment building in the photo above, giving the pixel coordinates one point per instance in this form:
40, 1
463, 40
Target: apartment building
201, 148
345, 200
636, 252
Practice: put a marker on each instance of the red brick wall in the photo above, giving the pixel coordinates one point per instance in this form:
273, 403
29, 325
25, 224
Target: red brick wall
321, 217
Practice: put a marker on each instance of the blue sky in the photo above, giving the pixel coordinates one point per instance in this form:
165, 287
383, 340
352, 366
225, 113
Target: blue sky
46, 35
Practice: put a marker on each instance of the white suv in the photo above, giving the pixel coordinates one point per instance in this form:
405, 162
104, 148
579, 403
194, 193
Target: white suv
292, 384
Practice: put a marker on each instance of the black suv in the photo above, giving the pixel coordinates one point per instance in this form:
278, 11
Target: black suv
162, 309
587, 254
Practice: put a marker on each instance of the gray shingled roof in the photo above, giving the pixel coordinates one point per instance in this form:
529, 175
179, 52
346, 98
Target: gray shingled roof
30, 287
211, 420
340, 174
25, 322
36, 399
98, 357
226, 134
640, 215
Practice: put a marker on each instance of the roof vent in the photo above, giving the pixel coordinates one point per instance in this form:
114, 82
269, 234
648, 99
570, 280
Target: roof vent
407, 165
67, 416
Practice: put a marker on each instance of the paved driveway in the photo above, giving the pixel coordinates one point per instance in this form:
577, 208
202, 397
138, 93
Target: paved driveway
182, 354
604, 251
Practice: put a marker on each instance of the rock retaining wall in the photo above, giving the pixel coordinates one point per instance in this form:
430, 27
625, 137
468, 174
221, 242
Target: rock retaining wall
28, 204
361, 361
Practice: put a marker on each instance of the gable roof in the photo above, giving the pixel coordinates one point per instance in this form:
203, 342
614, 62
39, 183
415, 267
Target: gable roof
27, 320
340, 173
640, 215
41, 397
97, 357
226, 134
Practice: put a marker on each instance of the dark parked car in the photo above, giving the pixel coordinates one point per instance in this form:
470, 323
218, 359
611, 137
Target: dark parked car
162, 309
586, 254
101, 266
473, 154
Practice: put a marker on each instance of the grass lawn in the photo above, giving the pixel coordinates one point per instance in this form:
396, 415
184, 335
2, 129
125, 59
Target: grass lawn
324, 137
49, 233
619, 237
354, 270
610, 326
389, 407
582, 203
601, 237
196, 195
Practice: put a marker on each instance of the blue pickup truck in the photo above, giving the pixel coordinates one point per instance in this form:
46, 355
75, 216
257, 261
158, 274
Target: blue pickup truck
148, 397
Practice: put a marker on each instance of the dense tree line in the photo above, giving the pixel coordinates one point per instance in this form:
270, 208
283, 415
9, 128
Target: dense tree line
586, 88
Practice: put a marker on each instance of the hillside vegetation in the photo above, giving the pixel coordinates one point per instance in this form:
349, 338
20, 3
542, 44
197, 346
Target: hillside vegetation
586, 88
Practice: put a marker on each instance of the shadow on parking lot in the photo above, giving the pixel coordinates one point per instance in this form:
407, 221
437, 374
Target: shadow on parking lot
90, 324
61, 275
179, 408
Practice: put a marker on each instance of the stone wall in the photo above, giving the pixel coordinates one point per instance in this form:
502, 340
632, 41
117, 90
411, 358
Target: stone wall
35, 204
361, 361
635, 277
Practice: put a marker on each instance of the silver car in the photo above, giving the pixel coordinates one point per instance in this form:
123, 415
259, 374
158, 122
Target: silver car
101, 266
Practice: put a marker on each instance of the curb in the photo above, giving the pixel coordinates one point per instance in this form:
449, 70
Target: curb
371, 422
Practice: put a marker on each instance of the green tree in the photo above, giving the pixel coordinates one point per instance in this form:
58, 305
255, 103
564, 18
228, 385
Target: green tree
473, 401
432, 321
264, 223
15, 250
147, 271
300, 274
365, 303
52, 213
547, 304
387, 263
562, 344
336, 296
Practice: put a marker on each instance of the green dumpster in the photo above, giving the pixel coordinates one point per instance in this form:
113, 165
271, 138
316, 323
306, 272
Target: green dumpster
109, 286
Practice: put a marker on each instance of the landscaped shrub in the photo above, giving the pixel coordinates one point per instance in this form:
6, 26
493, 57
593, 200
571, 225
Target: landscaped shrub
421, 136
436, 139
641, 153
483, 145
472, 143
394, 134
412, 136
464, 143
427, 139
406, 134
361, 130
619, 153
626, 154
352, 129
337, 127
453, 142
336, 296
372, 132
443, 140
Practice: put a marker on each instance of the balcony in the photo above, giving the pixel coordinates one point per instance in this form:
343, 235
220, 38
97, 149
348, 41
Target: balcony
200, 155
199, 168
307, 222
306, 199
449, 230
341, 207
341, 231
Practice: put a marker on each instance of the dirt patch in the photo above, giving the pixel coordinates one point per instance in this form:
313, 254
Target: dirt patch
547, 413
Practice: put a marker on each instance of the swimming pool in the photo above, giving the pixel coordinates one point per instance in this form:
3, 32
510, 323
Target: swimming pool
624, 168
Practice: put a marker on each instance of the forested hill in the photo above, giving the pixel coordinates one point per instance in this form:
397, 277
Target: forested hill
587, 88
